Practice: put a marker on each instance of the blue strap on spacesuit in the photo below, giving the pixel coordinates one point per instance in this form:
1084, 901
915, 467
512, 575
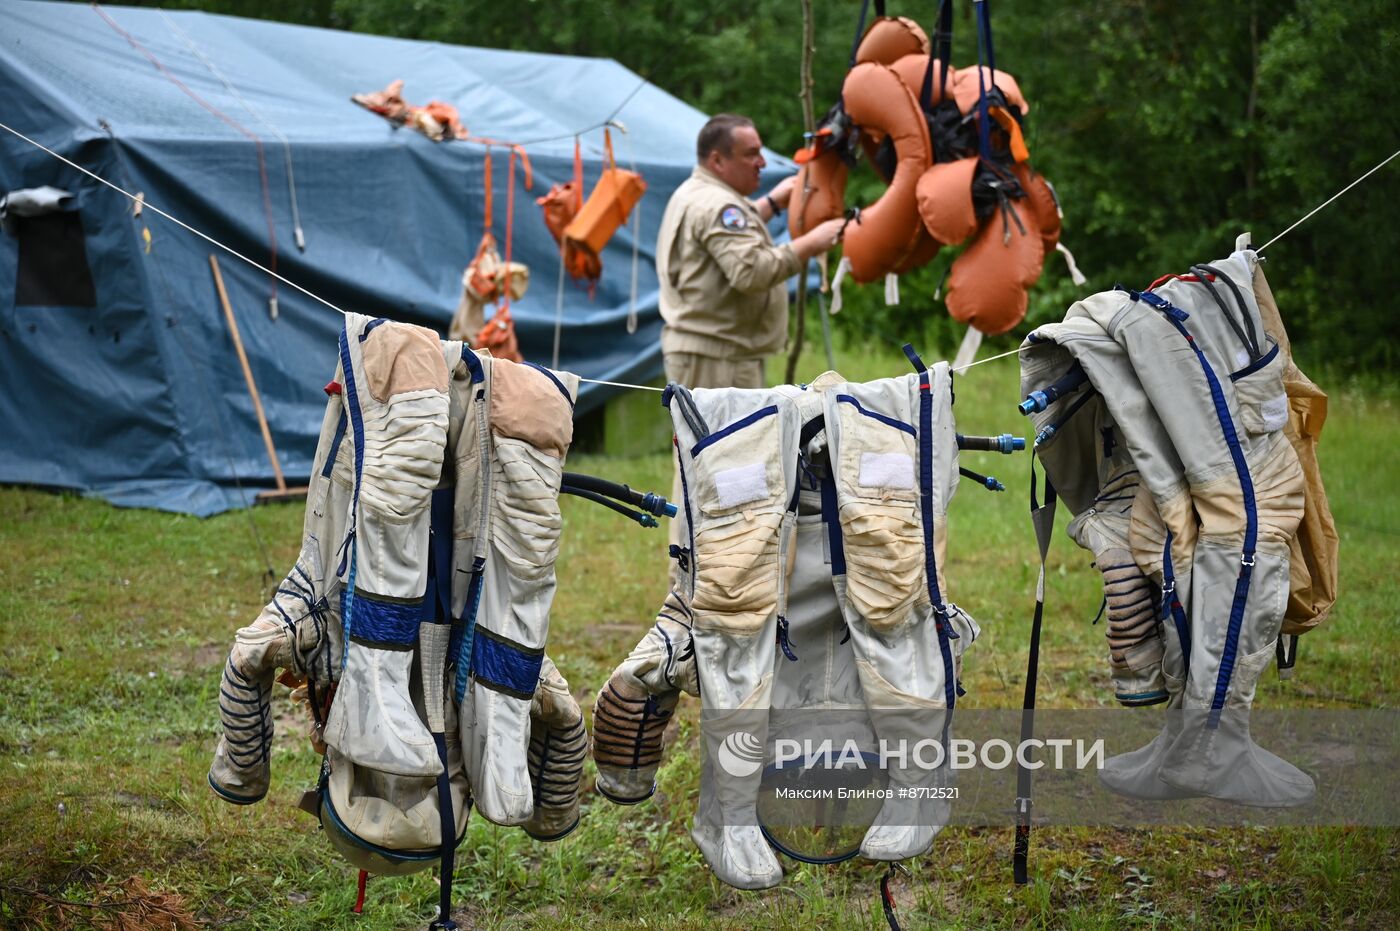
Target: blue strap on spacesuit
1177, 317
925, 438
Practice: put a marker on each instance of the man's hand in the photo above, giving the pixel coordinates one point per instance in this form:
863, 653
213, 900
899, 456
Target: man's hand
782, 194
819, 238
776, 200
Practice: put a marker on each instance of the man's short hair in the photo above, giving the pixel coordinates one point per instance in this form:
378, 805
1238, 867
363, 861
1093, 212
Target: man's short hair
718, 135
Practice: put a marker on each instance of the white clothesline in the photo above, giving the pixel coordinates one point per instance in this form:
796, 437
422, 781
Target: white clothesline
595, 381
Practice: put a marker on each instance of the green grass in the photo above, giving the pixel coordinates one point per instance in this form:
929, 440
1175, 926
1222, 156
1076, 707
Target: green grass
115, 624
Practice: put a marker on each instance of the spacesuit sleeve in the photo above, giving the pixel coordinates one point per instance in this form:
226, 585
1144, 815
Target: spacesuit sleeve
634, 707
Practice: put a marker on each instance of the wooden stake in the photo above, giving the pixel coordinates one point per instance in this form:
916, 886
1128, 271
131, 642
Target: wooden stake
799, 197
282, 490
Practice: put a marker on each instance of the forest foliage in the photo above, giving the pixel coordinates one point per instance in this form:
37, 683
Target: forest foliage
1166, 127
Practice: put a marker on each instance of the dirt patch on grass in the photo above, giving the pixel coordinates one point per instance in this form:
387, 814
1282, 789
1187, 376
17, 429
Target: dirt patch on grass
130, 905
207, 656
606, 638
130, 800
291, 722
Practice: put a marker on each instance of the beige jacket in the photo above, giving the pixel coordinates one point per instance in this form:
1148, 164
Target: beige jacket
723, 282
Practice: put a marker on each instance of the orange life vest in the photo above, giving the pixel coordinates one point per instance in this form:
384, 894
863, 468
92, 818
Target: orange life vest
888, 230
944, 195
820, 194
561, 205
980, 191
890, 38
1043, 204
987, 284
606, 209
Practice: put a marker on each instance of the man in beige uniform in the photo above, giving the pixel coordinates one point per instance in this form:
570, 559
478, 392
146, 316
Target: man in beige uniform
723, 281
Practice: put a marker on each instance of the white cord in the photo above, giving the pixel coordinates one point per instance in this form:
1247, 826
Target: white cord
615, 384
964, 368
177, 221
1329, 200
636, 231
620, 384
559, 306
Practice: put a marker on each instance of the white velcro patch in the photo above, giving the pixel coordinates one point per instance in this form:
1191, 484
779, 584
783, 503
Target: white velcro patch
1275, 412
741, 484
886, 470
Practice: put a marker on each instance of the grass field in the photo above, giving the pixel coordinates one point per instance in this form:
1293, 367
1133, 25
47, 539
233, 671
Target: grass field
115, 624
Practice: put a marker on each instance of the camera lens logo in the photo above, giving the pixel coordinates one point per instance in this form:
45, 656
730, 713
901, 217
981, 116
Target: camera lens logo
740, 754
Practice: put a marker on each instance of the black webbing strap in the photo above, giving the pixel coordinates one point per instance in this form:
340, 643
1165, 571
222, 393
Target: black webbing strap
887, 897
1286, 654
984, 50
448, 827
984, 18
860, 26
1043, 520
1250, 339
1244, 308
682, 396
942, 52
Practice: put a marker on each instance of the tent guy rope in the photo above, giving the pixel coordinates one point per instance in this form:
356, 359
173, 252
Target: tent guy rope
594, 381
230, 121
298, 234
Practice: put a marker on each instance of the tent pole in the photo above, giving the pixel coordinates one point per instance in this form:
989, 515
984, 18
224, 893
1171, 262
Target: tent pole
282, 490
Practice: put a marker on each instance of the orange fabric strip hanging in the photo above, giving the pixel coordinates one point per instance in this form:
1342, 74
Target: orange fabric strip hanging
578, 176
1015, 141
486, 171
510, 227
524, 164
608, 205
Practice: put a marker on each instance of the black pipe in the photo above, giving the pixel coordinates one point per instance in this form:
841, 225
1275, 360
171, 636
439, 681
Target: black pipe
649, 502
1038, 401
1005, 444
986, 481
646, 520
1053, 428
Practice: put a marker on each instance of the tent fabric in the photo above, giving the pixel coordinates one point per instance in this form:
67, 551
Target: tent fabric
140, 399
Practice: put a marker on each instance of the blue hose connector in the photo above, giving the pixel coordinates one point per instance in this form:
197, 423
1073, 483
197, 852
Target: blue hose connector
658, 506
1034, 403
1008, 444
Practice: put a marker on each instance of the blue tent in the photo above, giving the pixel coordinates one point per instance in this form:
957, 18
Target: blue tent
119, 376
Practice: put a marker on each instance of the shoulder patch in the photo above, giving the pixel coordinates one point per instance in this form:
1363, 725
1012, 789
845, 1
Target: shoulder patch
732, 218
